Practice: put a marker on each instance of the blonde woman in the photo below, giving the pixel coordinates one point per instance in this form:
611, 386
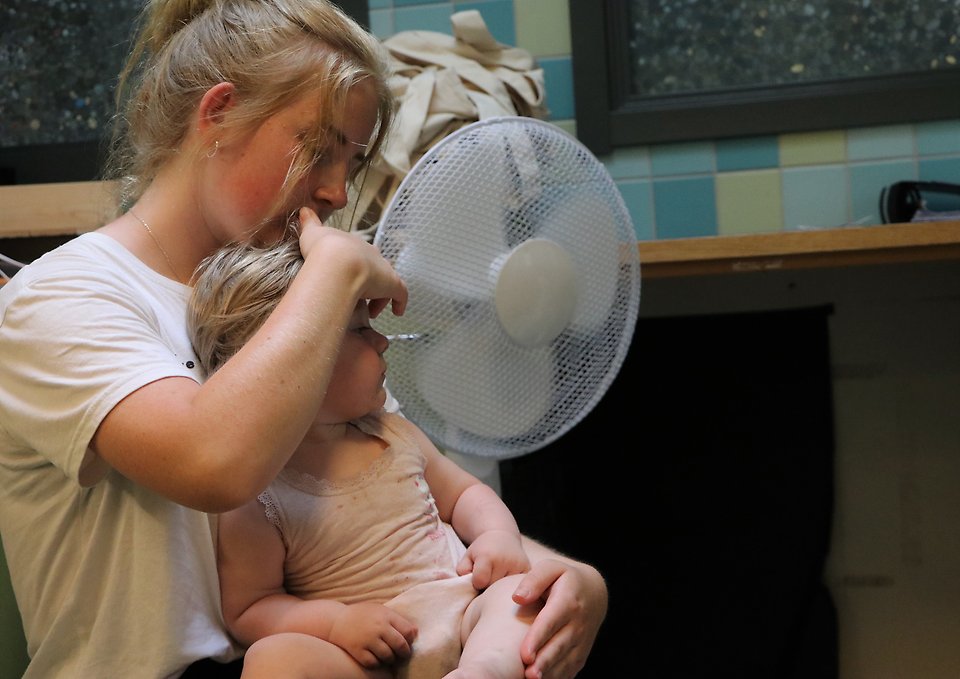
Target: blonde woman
236, 117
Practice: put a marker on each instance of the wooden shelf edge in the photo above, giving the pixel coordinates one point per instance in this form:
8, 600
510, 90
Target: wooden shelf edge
61, 209
846, 246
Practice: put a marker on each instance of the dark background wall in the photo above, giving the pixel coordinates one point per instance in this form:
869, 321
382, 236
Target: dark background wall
702, 487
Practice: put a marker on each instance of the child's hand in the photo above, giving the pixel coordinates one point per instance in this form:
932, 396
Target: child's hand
493, 555
373, 634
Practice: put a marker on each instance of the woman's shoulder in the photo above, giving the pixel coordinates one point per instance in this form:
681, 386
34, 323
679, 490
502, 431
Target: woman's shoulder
91, 252
88, 264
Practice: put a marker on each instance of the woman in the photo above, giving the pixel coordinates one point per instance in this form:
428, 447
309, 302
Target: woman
239, 117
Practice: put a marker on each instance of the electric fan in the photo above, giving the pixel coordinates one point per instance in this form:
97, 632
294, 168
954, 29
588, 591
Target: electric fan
524, 284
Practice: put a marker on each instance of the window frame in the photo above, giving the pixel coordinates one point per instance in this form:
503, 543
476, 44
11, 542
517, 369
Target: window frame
607, 116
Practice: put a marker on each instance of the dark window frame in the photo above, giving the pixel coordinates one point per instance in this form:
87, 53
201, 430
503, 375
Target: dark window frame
607, 116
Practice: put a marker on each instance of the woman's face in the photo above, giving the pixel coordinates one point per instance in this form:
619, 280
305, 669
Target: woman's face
254, 170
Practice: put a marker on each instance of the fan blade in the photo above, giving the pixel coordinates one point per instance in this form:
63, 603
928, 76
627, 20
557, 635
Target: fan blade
503, 390
458, 236
583, 224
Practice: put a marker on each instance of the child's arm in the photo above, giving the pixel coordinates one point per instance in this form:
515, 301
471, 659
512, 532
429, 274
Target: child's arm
250, 556
478, 515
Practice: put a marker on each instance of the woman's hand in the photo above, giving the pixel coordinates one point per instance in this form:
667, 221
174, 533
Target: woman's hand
379, 282
575, 604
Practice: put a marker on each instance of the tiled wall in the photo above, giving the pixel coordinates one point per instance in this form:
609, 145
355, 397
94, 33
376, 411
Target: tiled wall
748, 185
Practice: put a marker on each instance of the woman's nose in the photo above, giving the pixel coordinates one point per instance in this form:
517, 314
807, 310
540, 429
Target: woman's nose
331, 186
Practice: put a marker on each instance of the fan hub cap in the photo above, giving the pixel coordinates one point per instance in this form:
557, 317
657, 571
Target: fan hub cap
536, 292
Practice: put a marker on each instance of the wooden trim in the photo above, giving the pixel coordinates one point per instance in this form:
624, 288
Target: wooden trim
60, 209
846, 246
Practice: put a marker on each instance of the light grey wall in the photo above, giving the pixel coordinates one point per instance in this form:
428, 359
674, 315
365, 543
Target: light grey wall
894, 567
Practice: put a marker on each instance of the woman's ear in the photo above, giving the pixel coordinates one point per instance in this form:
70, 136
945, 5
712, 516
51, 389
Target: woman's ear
214, 104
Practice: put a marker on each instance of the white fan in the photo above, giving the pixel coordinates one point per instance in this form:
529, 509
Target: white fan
524, 280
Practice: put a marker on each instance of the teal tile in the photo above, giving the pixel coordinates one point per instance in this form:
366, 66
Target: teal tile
815, 197
940, 170
868, 180
939, 137
628, 162
379, 4
558, 82
685, 208
423, 18
407, 3
874, 143
755, 153
637, 196
674, 159
381, 23
497, 15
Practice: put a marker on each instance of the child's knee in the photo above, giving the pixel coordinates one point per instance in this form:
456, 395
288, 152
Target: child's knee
497, 599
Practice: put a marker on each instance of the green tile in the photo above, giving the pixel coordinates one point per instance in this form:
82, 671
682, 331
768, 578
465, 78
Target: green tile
569, 126
682, 158
381, 23
424, 18
497, 15
867, 180
813, 148
628, 162
877, 143
749, 202
543, 27
942, 136
638, 198
685, 208
815, 197
940, 170
751, 153
558, 83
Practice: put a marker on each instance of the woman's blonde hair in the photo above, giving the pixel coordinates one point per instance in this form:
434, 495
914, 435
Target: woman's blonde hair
272, 51
234, 291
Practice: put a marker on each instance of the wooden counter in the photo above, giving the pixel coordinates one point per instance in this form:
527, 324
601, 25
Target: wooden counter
71, 208
844, 246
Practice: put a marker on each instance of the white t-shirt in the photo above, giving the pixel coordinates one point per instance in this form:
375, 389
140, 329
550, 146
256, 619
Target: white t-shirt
111, 579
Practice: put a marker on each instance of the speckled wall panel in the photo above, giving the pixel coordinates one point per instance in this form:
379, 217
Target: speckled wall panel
58, 64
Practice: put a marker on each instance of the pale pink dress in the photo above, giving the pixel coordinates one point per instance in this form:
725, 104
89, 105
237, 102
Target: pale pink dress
377, 537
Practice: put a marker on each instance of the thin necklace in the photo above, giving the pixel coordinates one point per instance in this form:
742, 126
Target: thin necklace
163, 252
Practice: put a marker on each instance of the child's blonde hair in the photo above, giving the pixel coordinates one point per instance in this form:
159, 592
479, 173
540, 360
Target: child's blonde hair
234, 291
272, 51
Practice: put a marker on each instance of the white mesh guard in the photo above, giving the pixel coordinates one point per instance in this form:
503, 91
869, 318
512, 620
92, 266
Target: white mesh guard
456, 223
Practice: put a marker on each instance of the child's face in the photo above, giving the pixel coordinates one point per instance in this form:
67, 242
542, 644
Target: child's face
254, 171
356, 387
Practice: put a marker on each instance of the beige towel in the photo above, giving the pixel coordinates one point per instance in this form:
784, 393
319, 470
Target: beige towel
444, 83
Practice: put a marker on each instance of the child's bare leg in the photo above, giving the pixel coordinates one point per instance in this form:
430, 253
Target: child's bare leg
492, 630
301, 656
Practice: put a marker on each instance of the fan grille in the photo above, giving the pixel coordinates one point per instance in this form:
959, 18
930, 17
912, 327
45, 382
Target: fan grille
453, 222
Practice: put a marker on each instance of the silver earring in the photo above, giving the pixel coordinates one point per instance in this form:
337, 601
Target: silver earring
216, 147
